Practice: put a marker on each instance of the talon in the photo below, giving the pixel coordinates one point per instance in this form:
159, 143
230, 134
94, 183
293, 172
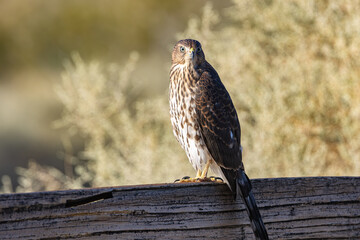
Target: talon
218, 179
188, 179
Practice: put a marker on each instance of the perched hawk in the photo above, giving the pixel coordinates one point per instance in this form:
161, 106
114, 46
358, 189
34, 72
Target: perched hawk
206, 125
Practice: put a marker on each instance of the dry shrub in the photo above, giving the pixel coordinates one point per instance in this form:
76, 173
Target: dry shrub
127, 139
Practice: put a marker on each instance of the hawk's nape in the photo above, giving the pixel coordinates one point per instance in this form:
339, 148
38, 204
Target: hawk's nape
206, 125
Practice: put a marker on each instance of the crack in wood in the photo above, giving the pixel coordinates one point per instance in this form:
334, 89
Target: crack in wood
90, 199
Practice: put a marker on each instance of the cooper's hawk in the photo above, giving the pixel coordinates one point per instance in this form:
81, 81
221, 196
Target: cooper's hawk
206, 125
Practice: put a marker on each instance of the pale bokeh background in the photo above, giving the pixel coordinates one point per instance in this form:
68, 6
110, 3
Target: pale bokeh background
83, 88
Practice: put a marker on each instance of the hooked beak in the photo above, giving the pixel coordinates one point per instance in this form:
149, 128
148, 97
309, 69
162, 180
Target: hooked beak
191, 53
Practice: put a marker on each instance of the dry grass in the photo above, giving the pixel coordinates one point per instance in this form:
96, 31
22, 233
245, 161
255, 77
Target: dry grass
292, 68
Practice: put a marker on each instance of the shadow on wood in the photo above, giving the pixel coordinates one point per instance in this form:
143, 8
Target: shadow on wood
292, 208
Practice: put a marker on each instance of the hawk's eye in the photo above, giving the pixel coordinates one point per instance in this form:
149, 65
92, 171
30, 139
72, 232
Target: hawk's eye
198, 49
182, 49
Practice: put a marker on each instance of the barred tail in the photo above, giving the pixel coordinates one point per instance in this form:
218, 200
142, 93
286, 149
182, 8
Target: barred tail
243, 189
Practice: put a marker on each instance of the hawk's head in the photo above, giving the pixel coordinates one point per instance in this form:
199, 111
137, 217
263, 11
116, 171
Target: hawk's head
188, 51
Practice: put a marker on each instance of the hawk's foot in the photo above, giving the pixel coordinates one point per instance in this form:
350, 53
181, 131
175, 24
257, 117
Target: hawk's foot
188, 179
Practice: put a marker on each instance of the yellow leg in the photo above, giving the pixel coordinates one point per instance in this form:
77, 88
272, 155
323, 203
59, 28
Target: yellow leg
198, 174
206, 169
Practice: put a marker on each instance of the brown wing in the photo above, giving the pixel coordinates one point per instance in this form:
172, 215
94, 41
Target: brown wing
218, 120
220, 130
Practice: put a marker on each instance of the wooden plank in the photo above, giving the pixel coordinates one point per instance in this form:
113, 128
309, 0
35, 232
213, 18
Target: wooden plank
292, 208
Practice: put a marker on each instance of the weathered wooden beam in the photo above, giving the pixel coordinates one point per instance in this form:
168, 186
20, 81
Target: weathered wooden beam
292, 208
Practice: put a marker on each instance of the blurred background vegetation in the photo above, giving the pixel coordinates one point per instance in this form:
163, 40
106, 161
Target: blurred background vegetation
83, 88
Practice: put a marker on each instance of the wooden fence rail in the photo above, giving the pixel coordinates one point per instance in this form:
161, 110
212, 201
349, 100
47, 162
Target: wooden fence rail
292, 208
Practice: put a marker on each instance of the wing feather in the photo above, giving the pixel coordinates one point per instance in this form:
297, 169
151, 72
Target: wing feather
218, 120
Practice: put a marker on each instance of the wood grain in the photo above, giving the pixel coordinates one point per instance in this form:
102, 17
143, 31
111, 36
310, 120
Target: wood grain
292, 208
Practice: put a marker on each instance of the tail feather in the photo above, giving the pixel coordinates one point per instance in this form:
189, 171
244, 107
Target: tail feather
239, 182
243, 188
